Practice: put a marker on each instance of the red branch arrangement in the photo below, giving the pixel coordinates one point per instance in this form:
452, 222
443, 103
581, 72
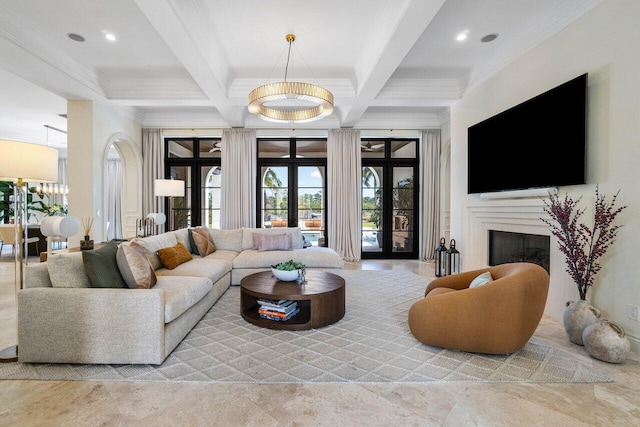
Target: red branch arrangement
581, 245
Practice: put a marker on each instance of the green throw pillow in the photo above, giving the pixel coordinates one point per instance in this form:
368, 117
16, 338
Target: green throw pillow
102, 268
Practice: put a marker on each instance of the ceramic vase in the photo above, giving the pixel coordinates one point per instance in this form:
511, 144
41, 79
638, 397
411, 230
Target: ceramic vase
577, 316
605, 340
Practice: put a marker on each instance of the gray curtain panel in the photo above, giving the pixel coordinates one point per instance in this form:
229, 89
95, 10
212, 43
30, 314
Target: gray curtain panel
152, 169
430, 194
238, 193
344, 168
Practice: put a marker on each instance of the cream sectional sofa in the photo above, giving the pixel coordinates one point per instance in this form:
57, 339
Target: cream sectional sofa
61, 324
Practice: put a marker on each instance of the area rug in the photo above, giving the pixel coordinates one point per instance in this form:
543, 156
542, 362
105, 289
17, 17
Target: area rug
371, 344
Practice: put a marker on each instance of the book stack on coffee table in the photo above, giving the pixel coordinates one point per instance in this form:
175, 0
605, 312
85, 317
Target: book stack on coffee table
277, 310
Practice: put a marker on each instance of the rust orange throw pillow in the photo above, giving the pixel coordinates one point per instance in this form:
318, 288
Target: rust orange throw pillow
173, 256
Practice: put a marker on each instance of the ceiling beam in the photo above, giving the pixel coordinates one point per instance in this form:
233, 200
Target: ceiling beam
197, 47
392, 35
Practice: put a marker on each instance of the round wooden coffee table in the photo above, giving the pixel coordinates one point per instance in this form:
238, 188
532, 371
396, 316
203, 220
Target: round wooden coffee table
320, 300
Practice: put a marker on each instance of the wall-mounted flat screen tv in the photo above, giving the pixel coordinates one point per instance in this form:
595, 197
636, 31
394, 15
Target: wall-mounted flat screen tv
539, 143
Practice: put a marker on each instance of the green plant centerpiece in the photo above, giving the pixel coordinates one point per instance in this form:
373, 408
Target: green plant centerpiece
289, 271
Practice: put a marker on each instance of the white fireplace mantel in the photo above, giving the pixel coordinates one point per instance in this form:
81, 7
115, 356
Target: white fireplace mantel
517, 216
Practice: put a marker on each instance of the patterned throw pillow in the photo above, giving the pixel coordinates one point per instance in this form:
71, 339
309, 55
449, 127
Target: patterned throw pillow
135, 267
173, 256
272, 242
203, 241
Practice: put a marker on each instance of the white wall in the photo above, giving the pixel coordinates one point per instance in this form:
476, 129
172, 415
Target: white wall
603, 43
92, 128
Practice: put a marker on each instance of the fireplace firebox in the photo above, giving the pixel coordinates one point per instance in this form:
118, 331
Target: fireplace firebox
505, 247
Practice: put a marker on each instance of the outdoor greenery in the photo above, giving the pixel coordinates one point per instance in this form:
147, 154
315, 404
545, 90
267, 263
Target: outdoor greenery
7, 208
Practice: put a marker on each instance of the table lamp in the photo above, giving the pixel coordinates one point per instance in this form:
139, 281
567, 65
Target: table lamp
22, 162
169, 188
59, 226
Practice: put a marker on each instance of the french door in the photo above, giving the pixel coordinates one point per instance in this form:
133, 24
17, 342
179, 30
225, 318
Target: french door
389, 199
196, 161
292, 186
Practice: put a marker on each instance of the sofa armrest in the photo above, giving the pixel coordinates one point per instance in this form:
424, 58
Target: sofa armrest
73, 325
455, 281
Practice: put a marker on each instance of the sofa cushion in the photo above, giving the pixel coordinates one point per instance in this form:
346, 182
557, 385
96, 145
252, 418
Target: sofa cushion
296, 235
134, 267
181, 293
310, 257
223, 255
173, 256
67, 271
271, 242
207, 267
182, 236
203, 241
102, 268
153, 243
228, 240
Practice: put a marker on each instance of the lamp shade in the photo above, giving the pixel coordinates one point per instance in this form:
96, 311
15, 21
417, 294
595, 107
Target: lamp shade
63, 226
158, 218
169, 188
29, 162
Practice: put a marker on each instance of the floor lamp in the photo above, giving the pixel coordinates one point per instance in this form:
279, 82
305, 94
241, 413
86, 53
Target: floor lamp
169, 188
20, 163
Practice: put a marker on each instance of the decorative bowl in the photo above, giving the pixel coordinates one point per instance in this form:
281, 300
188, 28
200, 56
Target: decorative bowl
286, 275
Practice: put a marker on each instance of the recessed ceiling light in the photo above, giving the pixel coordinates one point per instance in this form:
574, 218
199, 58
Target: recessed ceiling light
462, 36
489, 38
110, 37
75, 37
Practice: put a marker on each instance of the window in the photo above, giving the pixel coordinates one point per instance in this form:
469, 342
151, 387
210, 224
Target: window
197, 162
292, 186
389, 198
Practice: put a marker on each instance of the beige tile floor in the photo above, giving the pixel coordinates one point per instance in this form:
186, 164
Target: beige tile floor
77, 403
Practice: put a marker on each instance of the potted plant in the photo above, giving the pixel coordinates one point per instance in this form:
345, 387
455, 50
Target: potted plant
582, 247
289, 271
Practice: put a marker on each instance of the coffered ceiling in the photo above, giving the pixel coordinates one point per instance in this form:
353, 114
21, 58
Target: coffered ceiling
191, 63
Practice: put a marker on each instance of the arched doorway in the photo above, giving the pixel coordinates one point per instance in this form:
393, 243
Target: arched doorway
128, 191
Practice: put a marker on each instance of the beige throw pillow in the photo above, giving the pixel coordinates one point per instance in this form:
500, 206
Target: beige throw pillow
272, 242
135, 267
67, 271
203, 241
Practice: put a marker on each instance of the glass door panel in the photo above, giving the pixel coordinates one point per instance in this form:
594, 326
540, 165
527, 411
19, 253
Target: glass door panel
210, 195
275, 196
180, 207
311, 203
372, 214
403, 209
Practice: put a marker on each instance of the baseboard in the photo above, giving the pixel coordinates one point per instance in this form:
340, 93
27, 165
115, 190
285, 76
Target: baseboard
635, 343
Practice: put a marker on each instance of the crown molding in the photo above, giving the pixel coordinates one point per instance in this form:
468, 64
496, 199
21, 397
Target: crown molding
28, 38
386, 120
187, 118
153, 88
